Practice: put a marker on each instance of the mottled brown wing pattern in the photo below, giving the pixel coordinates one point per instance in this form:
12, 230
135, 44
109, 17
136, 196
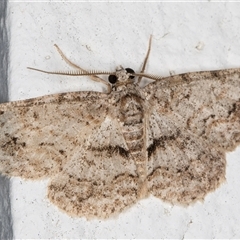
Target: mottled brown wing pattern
194, 120
101, 183
41, 132
73, 139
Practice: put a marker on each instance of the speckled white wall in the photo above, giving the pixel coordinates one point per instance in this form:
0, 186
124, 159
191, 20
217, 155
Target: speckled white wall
186, 37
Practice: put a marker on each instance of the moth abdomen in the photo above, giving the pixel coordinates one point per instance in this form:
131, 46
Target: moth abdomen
132, 119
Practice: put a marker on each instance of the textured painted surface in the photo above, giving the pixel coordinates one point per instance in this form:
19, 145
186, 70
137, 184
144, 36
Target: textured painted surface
187, 37
5, 206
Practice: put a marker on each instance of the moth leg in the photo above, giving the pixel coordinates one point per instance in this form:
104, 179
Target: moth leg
93, 77
146, 58
93, 199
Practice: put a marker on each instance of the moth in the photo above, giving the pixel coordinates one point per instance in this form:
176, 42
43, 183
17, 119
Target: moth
102, 152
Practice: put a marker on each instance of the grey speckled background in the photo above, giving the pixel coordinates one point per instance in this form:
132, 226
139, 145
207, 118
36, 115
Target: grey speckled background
5, 205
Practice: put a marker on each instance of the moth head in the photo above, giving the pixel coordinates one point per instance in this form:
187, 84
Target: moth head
122, 76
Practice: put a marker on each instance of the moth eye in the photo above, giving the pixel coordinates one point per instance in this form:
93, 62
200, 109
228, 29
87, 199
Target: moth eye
129, 70
112, 79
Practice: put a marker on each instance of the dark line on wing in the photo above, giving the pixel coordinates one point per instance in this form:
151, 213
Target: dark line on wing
160, 142
112, 150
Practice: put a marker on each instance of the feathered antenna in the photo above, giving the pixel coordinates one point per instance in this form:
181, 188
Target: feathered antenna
93, 73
